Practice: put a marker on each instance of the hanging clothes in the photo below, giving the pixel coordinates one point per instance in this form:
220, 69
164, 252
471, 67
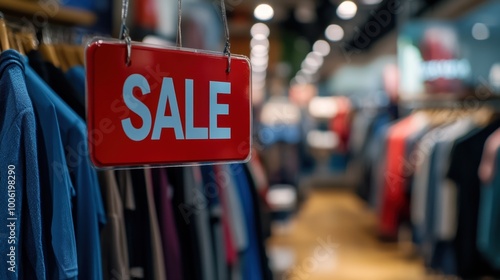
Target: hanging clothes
137, 223
465, 160
18, 153
197, 197
163, 201
58, 221
56, 79
394, 201
252, 266
186, 226
489, 223
74, 222
89, 212
113, 236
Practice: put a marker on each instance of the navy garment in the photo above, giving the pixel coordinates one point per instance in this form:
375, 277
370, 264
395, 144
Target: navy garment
18, 152
464, 163
364, 189
252, 266
76, 76
58, 220
88, 209
137, 224
57, 81
186, 226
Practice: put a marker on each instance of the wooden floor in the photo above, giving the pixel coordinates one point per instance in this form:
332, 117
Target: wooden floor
333, 237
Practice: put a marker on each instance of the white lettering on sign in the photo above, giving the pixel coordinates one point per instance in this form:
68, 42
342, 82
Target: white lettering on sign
168, 96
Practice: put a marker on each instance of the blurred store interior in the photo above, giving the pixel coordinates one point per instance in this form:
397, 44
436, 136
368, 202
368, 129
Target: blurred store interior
375, 124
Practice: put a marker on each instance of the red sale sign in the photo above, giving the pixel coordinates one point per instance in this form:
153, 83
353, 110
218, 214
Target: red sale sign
168, 106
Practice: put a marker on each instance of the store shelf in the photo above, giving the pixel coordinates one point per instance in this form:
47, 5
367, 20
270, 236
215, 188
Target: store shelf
47, 11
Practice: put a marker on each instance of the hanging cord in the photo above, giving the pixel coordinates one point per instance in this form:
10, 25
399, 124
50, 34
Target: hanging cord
227, 47
124, 32
179, 20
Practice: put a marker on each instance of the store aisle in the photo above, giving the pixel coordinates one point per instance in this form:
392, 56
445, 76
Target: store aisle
333, 237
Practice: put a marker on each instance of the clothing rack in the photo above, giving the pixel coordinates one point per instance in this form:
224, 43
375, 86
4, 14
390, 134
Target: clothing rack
48, 11
482, 96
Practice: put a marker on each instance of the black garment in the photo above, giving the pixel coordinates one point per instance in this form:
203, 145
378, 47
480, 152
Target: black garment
186, 226
56, 79
464, 163
137, 225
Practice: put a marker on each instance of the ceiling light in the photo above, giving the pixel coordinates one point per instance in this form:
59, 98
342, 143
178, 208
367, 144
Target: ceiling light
259, 61
334, 32
258, 77
259, 68
314, 59
480, 31
260, 50
259, 37
258, 42
347, 10
263, 12
259, 29
300, 79
307, 71
263, 56
322, 47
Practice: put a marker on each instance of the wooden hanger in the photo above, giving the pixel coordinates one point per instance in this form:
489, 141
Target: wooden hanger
68, 54
4, 39
13, 42
61, 55
48, 50
29, 41
19, 42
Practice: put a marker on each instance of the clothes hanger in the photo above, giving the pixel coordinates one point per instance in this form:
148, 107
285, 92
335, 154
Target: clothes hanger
72, 55
64, 50
13, 42
4, 39
68, 49
27, 37
60, 52
47, 49
28, 40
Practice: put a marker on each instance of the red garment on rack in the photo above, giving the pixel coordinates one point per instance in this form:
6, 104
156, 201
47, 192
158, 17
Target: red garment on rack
487, 167
146, 14
394, 201
341, 122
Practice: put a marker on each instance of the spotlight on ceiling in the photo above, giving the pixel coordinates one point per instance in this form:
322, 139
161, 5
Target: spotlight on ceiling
347, 10
322, 47
263, 12
334, 32
259, 29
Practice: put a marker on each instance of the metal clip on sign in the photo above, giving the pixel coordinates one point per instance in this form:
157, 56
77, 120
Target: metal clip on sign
166, 106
